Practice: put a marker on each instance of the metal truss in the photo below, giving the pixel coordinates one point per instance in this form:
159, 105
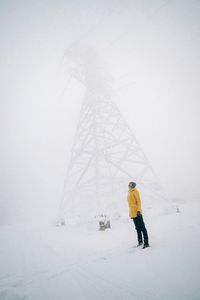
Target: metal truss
105, 155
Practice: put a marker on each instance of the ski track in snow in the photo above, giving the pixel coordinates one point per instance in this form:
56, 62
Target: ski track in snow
75, 263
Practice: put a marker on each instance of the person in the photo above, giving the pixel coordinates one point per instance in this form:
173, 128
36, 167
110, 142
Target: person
135, 213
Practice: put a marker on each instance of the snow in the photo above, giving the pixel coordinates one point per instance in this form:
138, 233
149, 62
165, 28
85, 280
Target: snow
80, 262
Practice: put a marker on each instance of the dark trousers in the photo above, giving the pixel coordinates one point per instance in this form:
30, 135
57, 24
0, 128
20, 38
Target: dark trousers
141, 229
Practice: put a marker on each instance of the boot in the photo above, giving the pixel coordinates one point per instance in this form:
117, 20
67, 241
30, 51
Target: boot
146, 245
139, 244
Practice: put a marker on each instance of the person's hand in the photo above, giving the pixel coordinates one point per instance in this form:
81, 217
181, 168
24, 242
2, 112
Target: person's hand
138, 214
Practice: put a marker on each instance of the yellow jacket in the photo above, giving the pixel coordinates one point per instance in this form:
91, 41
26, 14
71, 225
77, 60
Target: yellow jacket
134, 202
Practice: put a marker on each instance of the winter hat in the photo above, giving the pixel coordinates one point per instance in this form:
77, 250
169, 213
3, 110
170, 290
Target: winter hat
132, 185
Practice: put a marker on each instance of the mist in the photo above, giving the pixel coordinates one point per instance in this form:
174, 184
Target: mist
150, 49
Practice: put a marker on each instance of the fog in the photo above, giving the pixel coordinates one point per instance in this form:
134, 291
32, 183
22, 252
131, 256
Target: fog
150, 49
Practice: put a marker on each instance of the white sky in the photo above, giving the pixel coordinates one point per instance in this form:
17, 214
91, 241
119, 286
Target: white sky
150, 48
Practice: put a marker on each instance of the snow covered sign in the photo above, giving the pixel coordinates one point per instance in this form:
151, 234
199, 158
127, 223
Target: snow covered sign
106, 154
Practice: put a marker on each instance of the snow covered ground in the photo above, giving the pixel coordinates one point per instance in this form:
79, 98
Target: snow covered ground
80, 262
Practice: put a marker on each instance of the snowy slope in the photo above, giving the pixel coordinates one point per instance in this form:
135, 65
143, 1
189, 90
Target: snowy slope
46, 262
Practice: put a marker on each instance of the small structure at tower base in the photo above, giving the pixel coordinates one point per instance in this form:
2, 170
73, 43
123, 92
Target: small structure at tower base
104, 223
60, 222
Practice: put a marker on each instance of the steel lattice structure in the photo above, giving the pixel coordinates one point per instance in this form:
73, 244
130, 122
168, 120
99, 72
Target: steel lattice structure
106, 154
